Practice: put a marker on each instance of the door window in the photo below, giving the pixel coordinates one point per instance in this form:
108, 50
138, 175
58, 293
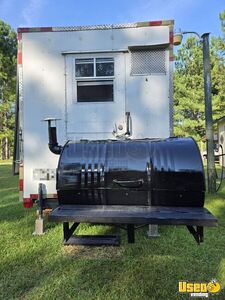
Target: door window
95, 91
94, 79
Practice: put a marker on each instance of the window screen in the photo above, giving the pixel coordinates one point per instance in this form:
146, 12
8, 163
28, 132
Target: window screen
95, 91
145, 62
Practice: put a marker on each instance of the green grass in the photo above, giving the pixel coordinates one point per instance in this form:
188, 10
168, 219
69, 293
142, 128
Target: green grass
33, 267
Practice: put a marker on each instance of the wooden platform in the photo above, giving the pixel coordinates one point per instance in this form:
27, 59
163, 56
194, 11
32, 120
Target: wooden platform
114, 214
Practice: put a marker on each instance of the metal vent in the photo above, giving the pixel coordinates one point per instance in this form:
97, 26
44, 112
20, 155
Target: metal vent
144, 62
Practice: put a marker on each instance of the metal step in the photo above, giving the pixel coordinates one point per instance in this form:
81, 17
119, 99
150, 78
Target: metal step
93, 240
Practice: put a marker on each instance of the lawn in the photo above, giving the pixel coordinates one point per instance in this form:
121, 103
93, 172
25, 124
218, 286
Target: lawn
40, 267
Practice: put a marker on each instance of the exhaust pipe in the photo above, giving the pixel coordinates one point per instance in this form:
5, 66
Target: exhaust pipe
53, 145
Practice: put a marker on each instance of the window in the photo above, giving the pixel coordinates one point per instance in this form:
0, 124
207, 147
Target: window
94, 79
85, 67
104, 67
95, 91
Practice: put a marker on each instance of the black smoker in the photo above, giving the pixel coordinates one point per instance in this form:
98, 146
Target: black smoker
129, 182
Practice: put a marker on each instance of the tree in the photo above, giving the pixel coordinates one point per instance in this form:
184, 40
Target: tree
189, 117
188, 91
222, 19
8, 50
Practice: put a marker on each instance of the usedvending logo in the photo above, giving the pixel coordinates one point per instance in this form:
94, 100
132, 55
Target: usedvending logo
200, 289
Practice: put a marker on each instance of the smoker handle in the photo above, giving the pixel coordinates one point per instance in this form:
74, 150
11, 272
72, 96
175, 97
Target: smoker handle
129, 183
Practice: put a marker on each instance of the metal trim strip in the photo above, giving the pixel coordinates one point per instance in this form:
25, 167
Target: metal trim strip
97, 27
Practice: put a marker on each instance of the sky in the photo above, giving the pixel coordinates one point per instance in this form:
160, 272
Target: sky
189, 15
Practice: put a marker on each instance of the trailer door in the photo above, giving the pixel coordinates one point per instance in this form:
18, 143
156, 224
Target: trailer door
95, 95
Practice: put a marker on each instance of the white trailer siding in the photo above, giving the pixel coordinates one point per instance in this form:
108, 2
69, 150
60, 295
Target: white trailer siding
43, 95
148, 99
48, 86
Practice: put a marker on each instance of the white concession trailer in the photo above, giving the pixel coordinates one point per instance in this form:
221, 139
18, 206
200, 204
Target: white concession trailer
102, 82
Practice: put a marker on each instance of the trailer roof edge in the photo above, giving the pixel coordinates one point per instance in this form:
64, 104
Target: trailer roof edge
96, 27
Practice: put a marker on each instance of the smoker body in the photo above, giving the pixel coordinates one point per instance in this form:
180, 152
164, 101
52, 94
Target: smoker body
129, 182
162, 172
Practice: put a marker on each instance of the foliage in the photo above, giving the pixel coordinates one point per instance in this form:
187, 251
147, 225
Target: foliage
8, 49
189, 106
222, 19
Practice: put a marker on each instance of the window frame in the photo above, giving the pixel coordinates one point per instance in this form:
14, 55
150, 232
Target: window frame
95, 62
94, 78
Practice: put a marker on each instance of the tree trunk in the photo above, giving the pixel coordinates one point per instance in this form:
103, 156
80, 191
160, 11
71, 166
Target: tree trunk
8, 152
5, 148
